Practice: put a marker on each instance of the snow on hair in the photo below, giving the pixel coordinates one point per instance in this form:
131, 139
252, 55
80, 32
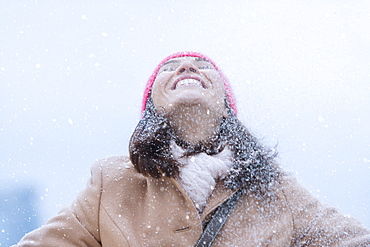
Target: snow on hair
253, 166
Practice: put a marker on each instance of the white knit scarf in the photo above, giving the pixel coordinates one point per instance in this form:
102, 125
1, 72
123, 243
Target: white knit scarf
199, 173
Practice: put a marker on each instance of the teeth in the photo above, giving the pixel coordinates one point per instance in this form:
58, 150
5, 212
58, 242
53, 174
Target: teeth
188, 82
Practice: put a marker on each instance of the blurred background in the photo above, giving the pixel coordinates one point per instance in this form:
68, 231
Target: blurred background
72, 75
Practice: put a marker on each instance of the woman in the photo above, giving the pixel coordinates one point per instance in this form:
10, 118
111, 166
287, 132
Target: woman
188, 154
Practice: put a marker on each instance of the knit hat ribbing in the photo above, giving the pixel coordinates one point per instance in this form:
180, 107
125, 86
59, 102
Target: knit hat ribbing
149, 84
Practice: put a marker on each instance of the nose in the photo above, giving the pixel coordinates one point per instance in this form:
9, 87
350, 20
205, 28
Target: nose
187, 67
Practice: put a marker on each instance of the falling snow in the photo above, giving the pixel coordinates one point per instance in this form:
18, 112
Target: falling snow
71, 81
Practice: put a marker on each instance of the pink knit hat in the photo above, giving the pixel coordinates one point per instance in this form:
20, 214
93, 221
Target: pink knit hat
149, 84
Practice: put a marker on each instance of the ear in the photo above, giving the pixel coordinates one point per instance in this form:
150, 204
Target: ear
225, 114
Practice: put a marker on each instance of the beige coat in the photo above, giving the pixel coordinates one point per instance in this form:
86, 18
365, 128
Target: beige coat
120, 207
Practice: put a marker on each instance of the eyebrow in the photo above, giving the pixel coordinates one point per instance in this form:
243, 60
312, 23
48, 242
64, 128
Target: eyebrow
176, 60
170, 61
201, 59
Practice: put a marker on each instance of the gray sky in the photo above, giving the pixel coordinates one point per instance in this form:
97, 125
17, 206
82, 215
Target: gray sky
72, 75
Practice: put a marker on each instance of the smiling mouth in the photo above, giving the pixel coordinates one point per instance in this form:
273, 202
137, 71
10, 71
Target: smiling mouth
188, 82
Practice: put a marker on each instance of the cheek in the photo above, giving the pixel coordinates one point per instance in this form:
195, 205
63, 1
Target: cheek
158, 86
218, 93
159, 93
219, 88
213, 75
162, 79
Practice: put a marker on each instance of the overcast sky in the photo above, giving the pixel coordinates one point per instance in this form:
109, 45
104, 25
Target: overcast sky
72, 75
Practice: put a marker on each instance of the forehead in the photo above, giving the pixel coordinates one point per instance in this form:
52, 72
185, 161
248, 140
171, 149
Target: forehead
181, 59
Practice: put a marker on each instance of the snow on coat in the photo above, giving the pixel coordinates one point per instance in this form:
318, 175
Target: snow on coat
121, 207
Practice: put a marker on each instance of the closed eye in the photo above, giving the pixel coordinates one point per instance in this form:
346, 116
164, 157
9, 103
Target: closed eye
205, 67
168, 69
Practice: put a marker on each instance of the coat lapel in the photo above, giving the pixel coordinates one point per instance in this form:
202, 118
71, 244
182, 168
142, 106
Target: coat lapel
219, 195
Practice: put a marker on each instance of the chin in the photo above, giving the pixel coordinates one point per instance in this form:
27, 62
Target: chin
192, 102
190, 98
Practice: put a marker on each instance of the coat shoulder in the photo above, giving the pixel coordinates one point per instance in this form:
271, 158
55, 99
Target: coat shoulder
115, 169
318, 223
112, 161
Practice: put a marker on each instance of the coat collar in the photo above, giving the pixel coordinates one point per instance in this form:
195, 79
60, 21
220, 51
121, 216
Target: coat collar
219, 195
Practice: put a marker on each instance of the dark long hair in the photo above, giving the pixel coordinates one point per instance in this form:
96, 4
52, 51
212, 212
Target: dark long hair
254, 166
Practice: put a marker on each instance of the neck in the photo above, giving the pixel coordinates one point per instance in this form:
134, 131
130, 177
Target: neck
194, 124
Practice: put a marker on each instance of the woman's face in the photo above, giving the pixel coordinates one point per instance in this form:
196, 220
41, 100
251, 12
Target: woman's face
188, 81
